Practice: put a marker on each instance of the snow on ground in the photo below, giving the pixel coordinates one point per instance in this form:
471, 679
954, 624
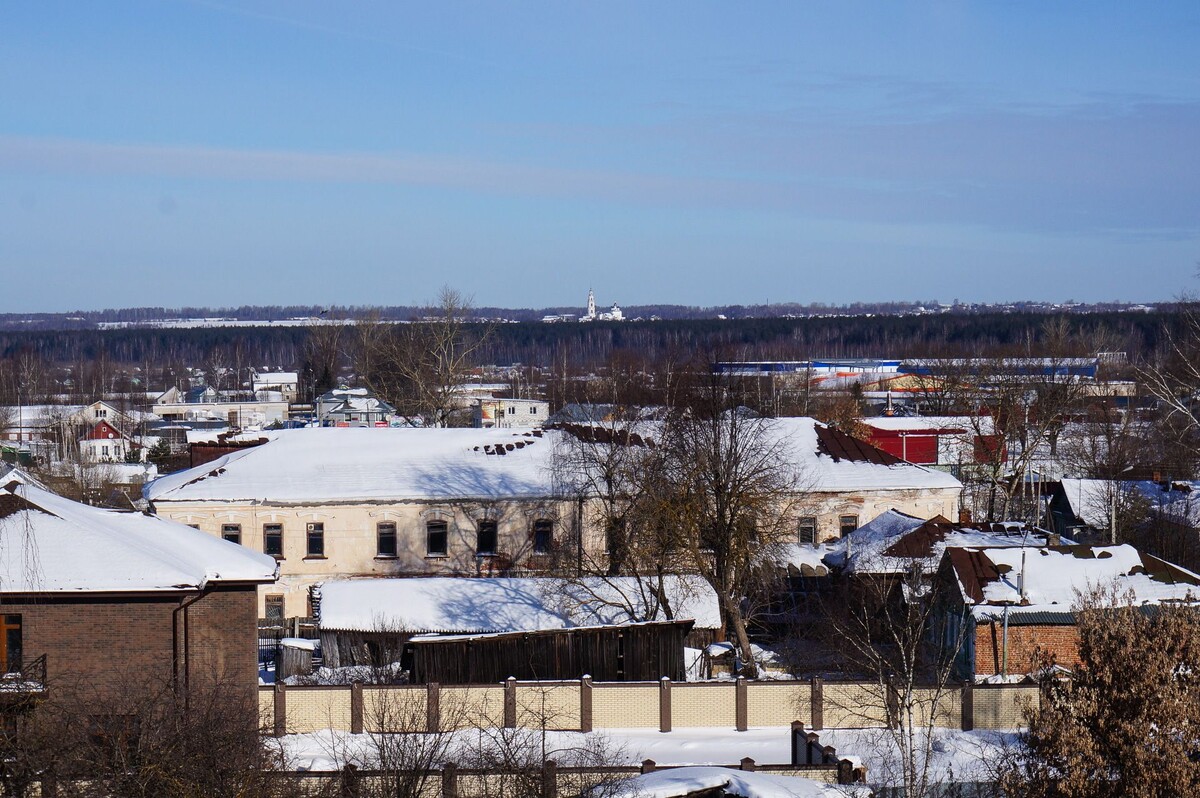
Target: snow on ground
957, 755
683, 781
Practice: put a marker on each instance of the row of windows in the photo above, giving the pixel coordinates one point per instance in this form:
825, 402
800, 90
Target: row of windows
806, 531
486, 536
437, 538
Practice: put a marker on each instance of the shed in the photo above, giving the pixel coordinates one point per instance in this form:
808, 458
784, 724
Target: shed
633, 652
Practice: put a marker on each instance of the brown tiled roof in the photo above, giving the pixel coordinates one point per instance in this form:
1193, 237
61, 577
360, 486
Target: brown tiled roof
841, 446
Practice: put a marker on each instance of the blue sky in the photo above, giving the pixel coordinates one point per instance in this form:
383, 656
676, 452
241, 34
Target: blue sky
225, 152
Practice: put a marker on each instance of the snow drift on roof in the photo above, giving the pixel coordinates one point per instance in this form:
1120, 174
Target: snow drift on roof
48, 543
478, 605
1054, 578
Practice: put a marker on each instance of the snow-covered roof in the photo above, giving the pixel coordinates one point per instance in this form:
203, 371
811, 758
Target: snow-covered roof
829, 461
893, 542
308, 465
965, 424
462, 605
275, 377
1091, 499
36, 416
1049, 579
52, 544
340, 464
851, 467
681, 782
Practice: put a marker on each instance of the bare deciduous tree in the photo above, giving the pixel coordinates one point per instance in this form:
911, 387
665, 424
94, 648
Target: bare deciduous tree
895, 631
724, 482
418, 366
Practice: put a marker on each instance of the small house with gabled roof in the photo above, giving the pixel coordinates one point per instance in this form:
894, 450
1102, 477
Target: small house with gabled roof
91, 596
1017, 601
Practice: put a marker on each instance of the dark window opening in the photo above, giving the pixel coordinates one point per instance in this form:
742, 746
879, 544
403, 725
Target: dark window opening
232, 532
543, 535
273, 539
10, 643
435, 538
485, 540
847, 524
316, 540
275, 610
385, 536
806, 531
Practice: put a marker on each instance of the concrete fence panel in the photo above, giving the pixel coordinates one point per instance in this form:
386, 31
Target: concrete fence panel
550, 706
624, 706
1003, 706
266, 708
311, 709
472, 706
703, 705
947, 707
395, 708
778, 703
854, 705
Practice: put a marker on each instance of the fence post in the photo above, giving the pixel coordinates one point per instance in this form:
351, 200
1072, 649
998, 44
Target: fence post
664, 704
741, 704
797, 736
817, 701
813, 754
348, 782
845, 771
449, 780
356, 708
550, 779
433, 707
510, 702
585, 704
968, 706
280, 718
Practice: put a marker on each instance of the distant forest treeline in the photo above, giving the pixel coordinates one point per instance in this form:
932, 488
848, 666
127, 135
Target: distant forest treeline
79, 320
586, 346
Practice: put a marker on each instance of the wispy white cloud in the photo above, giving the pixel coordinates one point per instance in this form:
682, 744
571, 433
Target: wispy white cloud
82, 158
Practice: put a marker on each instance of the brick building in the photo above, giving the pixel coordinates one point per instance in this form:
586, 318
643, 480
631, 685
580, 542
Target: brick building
97, 599
1016, 601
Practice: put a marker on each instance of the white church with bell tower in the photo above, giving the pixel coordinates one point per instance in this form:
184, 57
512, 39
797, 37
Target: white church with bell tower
613, 314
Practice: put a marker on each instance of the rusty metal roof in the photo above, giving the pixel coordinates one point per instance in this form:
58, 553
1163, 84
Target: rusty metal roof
974, 570
841, 446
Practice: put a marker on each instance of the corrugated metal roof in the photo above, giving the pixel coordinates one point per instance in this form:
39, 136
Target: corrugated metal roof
1019, 617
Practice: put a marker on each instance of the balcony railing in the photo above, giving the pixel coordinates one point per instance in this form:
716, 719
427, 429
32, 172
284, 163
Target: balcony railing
27, 682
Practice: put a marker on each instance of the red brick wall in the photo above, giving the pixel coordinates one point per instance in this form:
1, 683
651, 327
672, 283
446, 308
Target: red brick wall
108, 644
1023, 641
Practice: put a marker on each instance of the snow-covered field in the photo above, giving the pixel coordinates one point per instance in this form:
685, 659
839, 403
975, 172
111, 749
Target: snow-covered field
957, 755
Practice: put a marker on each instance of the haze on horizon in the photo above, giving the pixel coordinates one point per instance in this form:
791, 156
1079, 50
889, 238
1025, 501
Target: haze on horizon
223, 153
